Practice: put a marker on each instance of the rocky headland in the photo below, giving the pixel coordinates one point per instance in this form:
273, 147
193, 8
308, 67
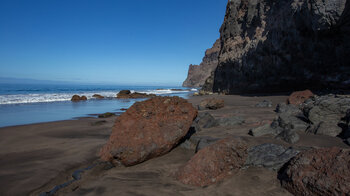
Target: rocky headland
282, 46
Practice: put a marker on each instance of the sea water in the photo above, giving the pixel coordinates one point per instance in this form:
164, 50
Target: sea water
34, 103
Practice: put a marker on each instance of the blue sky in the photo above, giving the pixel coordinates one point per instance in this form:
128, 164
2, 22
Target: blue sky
106, 41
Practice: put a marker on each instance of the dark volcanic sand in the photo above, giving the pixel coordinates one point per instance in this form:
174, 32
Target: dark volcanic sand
35, 158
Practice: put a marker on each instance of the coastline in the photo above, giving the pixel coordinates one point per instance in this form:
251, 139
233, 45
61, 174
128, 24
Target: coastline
37, 157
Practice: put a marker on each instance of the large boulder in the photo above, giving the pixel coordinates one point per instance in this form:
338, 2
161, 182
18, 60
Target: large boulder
214, 163
148, 129
299, 97
78, 98
270, 156
323, 171
211, 103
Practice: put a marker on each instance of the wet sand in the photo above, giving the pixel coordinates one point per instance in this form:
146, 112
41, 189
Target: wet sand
35, 158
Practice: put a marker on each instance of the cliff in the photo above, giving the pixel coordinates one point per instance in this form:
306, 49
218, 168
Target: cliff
274, 46
197, 74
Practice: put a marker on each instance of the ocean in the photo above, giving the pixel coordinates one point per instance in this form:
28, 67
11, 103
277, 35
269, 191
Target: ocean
34, 103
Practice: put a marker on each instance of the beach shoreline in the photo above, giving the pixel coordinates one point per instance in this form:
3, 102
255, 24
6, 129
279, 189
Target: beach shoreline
37, 157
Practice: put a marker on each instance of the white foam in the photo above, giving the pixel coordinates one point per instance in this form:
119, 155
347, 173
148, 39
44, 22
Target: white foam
55, 97
47, 97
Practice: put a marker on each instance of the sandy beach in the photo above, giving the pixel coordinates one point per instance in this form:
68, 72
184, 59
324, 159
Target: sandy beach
36, 158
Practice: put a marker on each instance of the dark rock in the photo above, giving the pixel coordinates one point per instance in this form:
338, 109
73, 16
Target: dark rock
279, 46
97, 123
324, 171
106, 115
270, 156
264, 130
197, 74
211, 103
205, 141
230, 121
264, 104
97, 96
126, 94
148, 129
325, 113
214, 163
288, 135
288, 109
299, 97
204, 120
78, 98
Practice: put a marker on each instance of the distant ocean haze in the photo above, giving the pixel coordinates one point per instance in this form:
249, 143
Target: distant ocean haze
33, 103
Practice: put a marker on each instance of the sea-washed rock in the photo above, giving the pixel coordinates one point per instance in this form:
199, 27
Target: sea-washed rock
270, 156
230, 121
264, 104
204, 120
214, 163
299, 97
211, 103
97, 96
324, 171
79, 98
148, 129
126, 94
106, 115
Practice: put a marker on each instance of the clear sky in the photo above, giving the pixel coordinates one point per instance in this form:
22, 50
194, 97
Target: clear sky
106, 41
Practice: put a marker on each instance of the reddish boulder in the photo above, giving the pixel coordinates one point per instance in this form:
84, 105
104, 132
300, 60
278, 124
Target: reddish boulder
214, 163
318, 172
78, 98
211, 104
298, 97
148, 129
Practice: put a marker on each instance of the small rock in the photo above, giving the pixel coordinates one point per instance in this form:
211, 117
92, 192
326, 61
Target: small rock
97, 123
324, 171
126, 94
204, 142
270, 156
214, 163
298, 97
263, 130
230, 121
283, 108
211, 103
106, 115
289, 136
204, 120
97, 96
78, 98
264, 104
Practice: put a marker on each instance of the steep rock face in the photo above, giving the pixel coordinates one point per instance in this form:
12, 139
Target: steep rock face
197, 74
282, 46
